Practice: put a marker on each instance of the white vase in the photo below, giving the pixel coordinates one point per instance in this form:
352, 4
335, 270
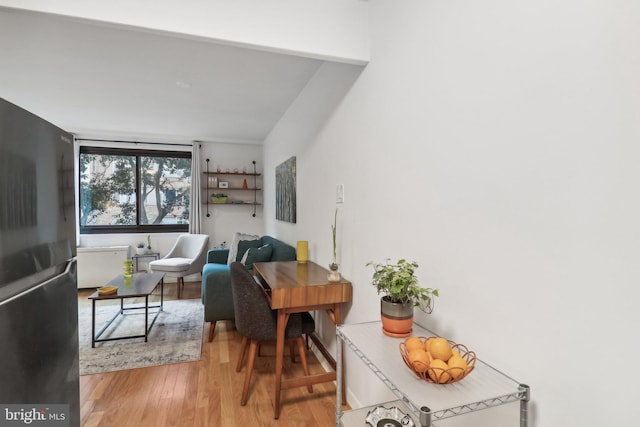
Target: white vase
334, 274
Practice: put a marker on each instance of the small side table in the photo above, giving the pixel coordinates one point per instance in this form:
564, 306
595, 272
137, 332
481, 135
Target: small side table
136, 258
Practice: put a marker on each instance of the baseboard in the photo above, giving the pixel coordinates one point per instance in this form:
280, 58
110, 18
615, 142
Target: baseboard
321, 353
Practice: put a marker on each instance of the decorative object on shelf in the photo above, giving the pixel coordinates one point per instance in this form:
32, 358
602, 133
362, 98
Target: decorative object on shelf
402, 293
381, 416
437, 360
149, 242
219, 198
244, 184
334, 274
223, 184
140, 249
397, 318
302, 251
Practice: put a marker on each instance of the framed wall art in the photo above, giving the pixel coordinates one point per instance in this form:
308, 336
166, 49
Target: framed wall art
286, 191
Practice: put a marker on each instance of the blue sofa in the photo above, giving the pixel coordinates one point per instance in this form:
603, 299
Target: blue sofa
216, 279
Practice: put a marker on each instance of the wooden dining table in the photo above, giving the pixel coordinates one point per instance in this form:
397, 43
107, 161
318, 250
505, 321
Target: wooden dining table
293, 287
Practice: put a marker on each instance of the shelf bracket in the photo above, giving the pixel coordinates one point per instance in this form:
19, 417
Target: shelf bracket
255, 188
207, 195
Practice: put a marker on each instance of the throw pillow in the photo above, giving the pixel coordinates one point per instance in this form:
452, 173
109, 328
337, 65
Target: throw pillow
244, 245
233, 247
261, 254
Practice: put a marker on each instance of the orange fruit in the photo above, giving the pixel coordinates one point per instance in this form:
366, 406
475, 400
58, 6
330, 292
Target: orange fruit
427, 343
438, 371
440, 349
413, 343
457, 366
419, 360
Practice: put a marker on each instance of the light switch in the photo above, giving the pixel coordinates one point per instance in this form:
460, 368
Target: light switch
340, 193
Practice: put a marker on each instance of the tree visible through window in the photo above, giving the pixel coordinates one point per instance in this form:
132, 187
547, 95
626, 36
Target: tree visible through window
130, 190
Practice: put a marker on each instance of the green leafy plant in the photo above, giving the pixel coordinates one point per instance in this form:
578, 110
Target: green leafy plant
149, 241
140, 245
400, 285
218, 195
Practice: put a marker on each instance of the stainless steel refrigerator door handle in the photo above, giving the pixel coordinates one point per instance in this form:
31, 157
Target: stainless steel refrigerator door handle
67, 270
62, 187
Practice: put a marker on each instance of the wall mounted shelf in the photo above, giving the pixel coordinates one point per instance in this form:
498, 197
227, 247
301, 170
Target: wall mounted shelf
238, 184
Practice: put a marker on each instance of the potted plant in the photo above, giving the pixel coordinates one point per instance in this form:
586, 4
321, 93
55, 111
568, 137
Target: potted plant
219, 198
334, 274
140, 249
402, 293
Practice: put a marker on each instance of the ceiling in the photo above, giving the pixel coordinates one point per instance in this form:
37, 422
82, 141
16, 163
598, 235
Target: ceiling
102, 80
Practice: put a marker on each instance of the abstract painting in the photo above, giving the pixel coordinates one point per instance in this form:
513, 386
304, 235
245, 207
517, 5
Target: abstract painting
286, 191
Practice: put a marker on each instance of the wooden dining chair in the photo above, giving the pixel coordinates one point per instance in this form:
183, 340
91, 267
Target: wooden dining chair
257, 322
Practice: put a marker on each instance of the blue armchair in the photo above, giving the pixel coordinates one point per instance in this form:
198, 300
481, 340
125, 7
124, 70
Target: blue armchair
216, 279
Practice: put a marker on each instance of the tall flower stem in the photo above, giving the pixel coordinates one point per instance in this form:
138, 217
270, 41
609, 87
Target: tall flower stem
333, 232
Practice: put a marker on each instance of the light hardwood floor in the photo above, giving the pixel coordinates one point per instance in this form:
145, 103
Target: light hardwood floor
203, 393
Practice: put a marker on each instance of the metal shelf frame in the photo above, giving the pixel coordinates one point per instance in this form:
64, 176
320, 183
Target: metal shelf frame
485, 387
253, 189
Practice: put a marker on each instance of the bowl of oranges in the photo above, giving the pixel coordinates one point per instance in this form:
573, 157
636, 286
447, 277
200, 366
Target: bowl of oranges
437, 360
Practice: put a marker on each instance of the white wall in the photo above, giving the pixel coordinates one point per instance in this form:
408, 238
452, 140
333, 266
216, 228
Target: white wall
292, 137
496, 144
327, 29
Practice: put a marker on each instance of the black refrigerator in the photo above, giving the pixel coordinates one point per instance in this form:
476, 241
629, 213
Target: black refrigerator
39, 377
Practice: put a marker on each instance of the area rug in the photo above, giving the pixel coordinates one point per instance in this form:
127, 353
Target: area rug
175, 337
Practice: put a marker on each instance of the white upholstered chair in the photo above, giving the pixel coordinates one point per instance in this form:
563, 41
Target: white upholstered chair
187, 256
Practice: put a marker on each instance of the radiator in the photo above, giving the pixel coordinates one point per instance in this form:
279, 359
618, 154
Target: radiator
98, 265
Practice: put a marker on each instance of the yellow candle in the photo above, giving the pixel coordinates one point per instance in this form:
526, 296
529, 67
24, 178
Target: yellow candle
303, 251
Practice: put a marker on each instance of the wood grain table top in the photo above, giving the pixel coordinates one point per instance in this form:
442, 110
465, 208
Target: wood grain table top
293, 284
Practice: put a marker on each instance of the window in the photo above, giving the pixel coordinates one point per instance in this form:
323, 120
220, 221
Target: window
123, 190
